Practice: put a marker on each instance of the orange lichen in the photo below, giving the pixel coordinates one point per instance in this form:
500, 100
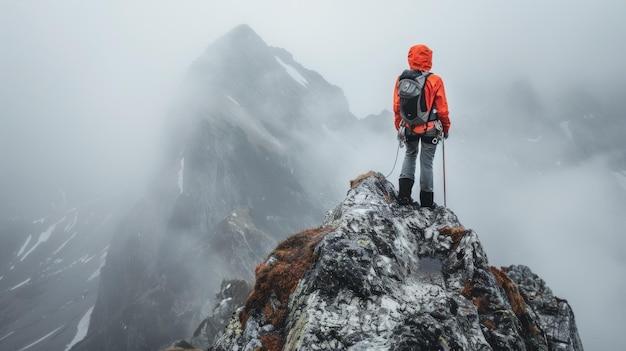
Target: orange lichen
278, 277
489, 324
481, 302
467, 289
272, 341
456, 233
512, 292
354, 182
515, 299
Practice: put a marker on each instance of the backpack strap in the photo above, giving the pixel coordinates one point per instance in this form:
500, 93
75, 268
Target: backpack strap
412, 74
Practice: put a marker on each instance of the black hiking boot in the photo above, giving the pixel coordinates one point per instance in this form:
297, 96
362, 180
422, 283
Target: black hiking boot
404, 201
404, 191
426, 199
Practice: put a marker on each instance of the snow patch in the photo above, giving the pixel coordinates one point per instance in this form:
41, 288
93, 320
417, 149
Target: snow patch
43, 237
225, 301
96, 273
6, 336
233, 100
293, 72
72, 223
65, 243
102, 262
534, 140
82, 327
83, 259
41, 339
19, 253
40, 220
180, 175
20, 284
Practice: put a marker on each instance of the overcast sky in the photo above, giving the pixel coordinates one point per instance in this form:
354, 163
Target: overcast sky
84, 85
100, 74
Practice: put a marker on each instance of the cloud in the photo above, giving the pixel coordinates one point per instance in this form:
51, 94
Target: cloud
86, 86
564, 223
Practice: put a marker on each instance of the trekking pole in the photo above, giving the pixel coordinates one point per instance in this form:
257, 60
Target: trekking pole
443, 150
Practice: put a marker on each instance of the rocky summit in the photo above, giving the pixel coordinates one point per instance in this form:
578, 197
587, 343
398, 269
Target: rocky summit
379, 276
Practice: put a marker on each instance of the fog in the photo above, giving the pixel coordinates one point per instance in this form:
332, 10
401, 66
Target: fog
86, 86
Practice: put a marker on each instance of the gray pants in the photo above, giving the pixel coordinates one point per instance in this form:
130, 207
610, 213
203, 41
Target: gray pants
426, 160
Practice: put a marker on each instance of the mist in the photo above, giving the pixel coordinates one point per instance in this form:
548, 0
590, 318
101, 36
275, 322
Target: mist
86, 88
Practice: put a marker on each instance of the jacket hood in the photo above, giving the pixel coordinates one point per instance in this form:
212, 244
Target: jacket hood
420, 57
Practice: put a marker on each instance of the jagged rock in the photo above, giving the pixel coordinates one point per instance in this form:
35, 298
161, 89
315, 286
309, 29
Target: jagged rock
236, 243
232, 295
181, 345
556, 317
378, 276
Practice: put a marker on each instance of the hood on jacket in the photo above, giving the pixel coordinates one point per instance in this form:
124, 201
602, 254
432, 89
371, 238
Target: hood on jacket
420, 57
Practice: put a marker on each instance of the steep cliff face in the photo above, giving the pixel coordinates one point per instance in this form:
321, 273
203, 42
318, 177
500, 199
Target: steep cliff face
232, 185
377, 276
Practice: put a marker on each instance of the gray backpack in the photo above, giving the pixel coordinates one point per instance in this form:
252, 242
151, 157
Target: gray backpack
412, 103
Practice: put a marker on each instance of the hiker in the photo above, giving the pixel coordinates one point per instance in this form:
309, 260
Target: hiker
427, 132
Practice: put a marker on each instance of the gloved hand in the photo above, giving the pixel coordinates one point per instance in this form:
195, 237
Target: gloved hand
445, 135
401, 133
401, 136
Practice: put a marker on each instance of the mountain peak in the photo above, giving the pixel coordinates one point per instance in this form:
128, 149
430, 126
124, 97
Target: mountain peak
378, 276
242, 31
242, 34
241, 44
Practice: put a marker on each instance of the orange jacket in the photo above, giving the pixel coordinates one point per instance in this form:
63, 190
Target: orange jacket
421, 58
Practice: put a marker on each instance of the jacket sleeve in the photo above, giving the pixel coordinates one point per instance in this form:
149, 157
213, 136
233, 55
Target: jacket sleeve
396, 106
441, 104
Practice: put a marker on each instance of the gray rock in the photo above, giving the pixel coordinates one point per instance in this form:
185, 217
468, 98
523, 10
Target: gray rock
378, 276
232, 294
555, 315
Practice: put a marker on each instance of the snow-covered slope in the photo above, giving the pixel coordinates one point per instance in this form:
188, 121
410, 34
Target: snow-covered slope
49, 275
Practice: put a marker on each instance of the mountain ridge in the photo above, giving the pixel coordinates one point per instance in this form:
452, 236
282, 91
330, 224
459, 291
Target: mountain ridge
236, 176
378, 276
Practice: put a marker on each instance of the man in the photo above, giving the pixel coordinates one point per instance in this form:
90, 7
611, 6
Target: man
427, 134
